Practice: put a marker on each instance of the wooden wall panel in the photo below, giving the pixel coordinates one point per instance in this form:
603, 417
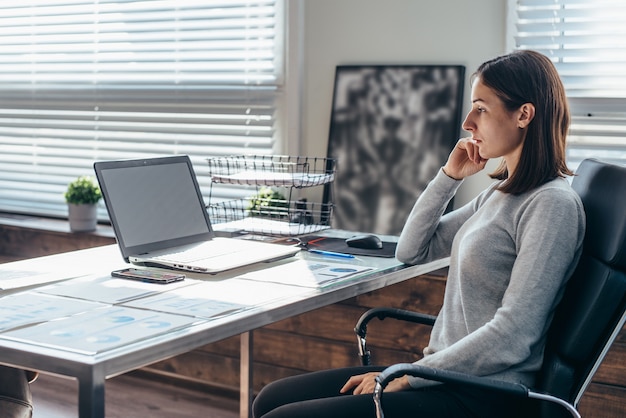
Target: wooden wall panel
19, 243
603, 401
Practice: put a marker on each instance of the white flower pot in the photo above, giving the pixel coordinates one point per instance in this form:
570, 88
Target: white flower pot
82, 217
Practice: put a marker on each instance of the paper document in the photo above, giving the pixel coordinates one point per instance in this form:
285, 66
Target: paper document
217, 299
19, 279
264, 225
108, 289
307, 273
30, 308
255, 177
100, 330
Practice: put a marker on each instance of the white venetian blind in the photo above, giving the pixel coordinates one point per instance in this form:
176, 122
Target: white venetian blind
82, 81
586, 39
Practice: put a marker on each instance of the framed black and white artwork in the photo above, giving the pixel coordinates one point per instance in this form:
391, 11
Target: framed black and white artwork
392, 127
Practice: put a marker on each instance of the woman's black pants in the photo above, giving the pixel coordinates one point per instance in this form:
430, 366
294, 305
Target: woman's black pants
316, 394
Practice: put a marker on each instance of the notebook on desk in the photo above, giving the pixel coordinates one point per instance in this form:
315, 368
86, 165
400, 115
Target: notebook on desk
160, 220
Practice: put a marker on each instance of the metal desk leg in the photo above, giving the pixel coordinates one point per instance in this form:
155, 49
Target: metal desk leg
91, 396
245, 375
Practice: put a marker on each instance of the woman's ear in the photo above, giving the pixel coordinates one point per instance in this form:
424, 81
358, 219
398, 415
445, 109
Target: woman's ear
526, 115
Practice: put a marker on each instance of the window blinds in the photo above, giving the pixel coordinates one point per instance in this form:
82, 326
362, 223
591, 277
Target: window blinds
82, 81
586, 39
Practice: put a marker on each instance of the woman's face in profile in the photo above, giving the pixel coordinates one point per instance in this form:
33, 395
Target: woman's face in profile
495, 130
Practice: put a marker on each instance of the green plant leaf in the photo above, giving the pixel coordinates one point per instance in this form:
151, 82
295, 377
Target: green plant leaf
83, 190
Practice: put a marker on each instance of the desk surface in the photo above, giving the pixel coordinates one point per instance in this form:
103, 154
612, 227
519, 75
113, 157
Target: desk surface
260, 294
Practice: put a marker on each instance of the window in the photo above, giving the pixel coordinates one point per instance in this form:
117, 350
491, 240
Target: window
586, 40
82, 81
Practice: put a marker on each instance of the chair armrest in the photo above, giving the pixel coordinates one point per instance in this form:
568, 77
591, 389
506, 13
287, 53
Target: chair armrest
382, 313
400, 314
447, 376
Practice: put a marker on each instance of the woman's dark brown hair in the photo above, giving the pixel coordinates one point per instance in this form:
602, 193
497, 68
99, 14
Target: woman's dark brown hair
530, 77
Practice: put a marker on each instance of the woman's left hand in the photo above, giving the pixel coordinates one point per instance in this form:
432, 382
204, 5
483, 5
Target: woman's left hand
365, 383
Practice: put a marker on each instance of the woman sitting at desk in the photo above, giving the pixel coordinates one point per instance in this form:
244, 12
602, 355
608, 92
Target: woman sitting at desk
511, 251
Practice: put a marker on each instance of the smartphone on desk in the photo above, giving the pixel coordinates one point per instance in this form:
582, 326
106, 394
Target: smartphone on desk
148, 276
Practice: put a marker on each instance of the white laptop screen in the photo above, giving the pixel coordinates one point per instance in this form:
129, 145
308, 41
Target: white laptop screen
153, 203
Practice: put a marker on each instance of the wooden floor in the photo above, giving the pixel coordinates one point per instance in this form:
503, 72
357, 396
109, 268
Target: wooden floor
131, 396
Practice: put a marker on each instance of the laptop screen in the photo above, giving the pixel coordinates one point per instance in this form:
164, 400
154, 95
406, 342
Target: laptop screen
153, 203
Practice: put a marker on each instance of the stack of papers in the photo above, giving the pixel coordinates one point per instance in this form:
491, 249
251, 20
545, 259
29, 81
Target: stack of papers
263, 225
255, 177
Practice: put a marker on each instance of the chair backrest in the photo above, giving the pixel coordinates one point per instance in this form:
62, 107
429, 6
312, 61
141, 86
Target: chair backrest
591, 313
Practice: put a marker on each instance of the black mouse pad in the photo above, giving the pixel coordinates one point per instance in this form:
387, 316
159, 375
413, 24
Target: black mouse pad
339, 245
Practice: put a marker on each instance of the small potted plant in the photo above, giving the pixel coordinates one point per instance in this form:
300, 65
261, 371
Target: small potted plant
82, 196
268, 203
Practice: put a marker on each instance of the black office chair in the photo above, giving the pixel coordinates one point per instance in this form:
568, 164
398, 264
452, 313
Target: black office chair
587, 321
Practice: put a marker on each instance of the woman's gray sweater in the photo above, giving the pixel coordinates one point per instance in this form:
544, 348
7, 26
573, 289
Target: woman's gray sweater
510, 256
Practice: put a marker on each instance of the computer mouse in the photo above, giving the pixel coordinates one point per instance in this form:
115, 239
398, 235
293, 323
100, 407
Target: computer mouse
368, 242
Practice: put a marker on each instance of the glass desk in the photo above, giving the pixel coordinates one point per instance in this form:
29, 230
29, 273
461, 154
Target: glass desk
73, 319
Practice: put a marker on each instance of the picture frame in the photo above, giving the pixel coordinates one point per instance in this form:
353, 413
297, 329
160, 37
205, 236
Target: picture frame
392, 127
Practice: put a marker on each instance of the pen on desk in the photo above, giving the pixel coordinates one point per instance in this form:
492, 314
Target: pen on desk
331, 253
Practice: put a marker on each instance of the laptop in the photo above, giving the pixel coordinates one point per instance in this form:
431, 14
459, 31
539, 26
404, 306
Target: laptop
160, 220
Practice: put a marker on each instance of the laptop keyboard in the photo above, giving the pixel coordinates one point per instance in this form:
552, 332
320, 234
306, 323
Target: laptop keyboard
219, 254
205, 251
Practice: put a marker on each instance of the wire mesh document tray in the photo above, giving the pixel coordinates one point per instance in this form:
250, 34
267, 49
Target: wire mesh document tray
272, 170
271, 217
275, 208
